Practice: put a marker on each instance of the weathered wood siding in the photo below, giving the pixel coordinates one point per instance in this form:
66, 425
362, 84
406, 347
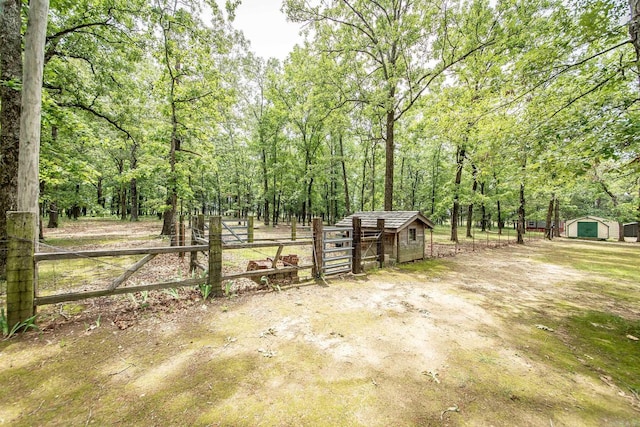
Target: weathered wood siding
409, 250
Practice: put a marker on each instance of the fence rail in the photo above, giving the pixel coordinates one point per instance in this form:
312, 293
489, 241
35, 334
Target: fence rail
334, 250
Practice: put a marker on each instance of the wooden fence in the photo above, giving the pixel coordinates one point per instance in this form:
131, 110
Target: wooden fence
206, 237
23, 297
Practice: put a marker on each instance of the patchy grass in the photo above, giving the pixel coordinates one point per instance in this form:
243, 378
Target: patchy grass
612, 260
441, 342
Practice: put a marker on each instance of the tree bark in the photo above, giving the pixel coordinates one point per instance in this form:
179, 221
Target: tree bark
474, 188
556, 221
10, 98
521, 216
389, 158
483, 210
500, 221
133, 184
548, 230
456, 201
30, 116
347, 200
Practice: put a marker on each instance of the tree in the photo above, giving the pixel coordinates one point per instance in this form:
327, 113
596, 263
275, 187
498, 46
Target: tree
10, 98
29, 157
403, 47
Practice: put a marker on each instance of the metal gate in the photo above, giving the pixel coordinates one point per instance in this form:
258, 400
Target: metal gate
337, 248
235, 231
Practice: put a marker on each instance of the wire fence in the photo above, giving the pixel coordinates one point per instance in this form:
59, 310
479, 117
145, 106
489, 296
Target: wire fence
86, 274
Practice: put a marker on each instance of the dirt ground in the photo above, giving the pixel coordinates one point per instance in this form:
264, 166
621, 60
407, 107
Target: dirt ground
479, 339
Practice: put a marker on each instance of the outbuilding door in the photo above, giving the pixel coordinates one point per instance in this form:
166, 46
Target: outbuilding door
588, 229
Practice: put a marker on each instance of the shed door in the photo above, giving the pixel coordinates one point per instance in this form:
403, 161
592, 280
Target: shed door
588, 229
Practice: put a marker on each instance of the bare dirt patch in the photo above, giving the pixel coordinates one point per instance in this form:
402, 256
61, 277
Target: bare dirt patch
448, 342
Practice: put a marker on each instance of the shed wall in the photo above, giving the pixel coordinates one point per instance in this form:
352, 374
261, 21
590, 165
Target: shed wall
409, 250
603, 230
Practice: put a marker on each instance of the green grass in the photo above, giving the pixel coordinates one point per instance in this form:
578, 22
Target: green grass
602, 339
616, 261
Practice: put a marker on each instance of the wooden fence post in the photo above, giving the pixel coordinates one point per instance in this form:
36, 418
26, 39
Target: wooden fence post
21, 271
250, 228
356, 261
193, 256
317, 247
293, 228
215, 254
380, 227
181, 235
200, 226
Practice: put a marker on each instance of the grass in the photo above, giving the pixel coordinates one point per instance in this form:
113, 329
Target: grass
615, 261
203, 366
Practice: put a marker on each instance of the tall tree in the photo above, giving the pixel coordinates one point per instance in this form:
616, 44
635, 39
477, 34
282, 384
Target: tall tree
403, 44
10, 82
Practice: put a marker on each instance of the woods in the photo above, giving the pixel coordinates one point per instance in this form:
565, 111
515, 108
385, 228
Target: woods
478, 113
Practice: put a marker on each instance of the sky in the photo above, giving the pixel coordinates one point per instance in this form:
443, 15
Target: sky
267, 28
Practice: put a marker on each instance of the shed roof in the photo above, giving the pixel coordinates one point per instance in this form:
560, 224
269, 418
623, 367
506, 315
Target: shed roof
393, 220
603, 221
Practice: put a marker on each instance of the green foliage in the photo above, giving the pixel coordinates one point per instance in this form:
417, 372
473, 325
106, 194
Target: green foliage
9, 331
205, 290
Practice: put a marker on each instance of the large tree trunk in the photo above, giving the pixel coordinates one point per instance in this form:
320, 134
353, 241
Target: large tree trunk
10, 99
548, 230
456, 202
556, 221
521, 217
389, 153
634, 30
30, 115
133, 184
474, 188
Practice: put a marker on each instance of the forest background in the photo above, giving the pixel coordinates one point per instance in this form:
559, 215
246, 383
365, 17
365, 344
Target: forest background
493, 112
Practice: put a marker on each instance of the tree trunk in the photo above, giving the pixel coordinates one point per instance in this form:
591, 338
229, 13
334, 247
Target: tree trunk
389, 153
500, 221
474, 188
634, 31
10, 99
483, 210
133, 184
53, 215
30, 115
347, 201
100, 194
434, 179
521, 217
265, 182
548, 230
456, 202
556, 221
133, 190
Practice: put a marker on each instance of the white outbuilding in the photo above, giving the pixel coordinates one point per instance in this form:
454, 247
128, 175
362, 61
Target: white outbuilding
591, 227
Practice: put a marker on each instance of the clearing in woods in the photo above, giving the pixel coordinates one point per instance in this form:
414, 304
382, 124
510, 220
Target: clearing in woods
543, 334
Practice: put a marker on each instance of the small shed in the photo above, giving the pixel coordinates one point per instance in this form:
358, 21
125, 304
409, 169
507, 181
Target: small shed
591, 227
404, 232
631, 229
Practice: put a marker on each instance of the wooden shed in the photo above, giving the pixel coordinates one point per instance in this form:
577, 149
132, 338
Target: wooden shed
631, 229
404, 232
591, 227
